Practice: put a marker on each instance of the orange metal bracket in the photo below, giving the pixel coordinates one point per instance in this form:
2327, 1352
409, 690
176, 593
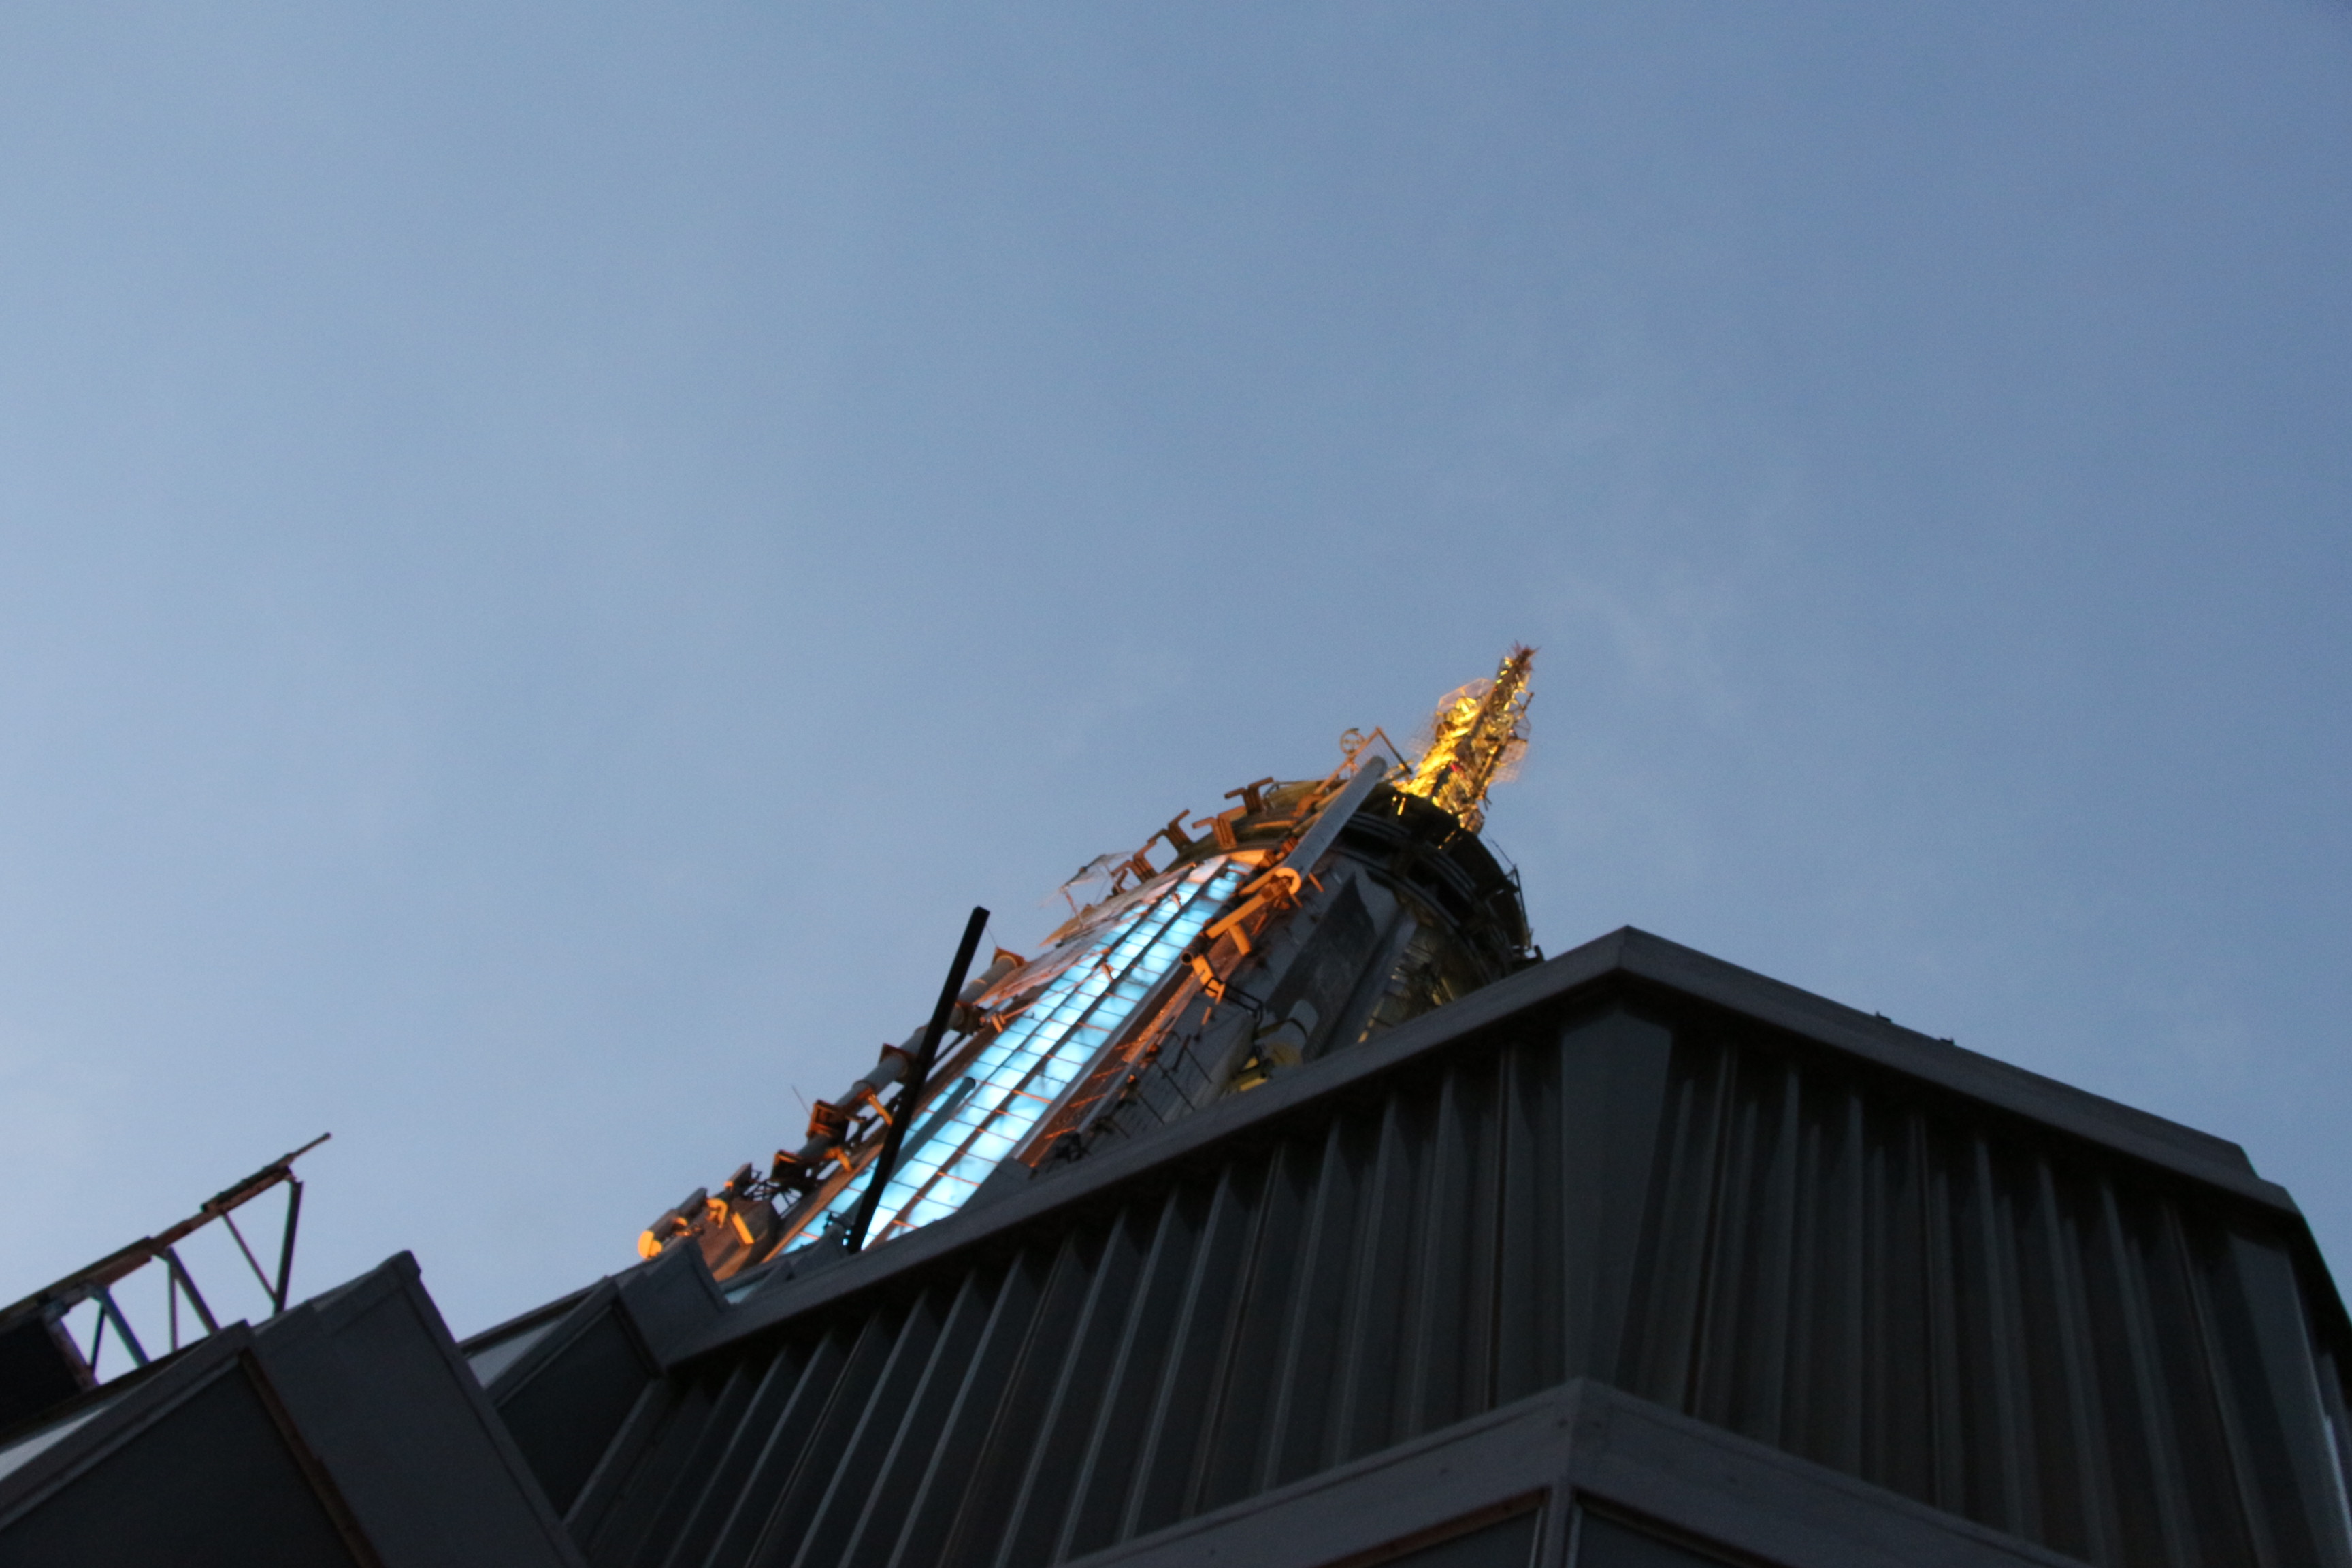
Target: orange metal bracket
1251, 798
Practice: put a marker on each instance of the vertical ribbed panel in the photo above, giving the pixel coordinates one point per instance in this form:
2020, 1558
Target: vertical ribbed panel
1975, 1313
1961, 1311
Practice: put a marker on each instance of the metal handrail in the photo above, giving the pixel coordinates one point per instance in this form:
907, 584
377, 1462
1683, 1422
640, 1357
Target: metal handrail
96, 1281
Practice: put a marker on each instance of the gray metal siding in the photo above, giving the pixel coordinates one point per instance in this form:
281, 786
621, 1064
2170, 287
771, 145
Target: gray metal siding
1965, 1313
1883, 1278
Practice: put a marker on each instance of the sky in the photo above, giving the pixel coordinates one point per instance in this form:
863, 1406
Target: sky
549, 554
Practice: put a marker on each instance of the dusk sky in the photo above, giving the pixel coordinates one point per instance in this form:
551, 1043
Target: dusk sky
549, 554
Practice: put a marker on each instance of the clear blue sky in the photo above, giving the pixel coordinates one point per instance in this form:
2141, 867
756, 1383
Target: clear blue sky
548, 553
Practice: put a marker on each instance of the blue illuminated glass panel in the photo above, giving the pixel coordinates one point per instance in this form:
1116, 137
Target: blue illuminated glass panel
1017, 1078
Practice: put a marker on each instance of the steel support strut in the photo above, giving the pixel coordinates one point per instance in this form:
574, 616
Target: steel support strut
910, 1096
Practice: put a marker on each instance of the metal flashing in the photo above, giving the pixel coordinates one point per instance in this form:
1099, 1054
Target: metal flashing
1580, 1446
1663, 970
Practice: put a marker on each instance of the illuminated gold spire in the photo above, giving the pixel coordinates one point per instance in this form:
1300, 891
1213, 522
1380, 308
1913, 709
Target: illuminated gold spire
1474, 737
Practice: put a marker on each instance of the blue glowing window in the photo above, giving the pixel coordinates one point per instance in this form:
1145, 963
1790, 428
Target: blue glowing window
1019, 1077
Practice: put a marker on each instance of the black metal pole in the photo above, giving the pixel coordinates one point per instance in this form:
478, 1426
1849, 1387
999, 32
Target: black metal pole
910, 1094
286, 1247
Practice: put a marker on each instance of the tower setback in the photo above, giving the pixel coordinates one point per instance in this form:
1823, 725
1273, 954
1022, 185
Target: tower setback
1289, 1208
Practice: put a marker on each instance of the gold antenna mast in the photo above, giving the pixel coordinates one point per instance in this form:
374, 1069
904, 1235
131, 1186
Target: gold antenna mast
1475, 738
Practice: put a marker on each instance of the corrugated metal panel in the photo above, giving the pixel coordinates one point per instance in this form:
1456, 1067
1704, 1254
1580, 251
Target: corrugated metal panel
1975, 1313
1955, 1310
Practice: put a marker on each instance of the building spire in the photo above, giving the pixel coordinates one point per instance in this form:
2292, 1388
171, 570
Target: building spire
1474, 737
